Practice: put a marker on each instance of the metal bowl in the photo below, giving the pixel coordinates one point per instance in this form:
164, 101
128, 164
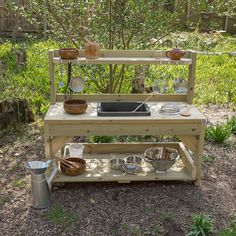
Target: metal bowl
153, 153
116, 163
154, 157
134, 159
131, 168
162, 165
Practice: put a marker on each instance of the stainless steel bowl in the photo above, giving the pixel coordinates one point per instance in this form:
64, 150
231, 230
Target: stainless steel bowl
116, 163
131, 168
134, 159
154, 157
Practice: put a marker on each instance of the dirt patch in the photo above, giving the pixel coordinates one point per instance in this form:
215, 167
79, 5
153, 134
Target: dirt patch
149, 208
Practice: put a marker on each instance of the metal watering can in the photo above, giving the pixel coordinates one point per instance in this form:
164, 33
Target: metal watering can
40, 183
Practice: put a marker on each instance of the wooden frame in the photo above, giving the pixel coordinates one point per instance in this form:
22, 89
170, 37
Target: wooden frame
60, 127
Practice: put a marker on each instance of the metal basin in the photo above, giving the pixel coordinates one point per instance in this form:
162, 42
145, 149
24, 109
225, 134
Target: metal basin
122, 109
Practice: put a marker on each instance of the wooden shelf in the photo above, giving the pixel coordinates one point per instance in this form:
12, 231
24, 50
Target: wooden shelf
97, 158
125, 60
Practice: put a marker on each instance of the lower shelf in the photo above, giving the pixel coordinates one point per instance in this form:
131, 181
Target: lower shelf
97, 158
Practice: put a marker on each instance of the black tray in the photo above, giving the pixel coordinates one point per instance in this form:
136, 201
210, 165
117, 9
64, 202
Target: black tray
122, 109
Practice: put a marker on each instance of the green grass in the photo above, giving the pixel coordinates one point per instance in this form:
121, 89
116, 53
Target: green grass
14, 166
215, 75
232, 123
208, 158
58, 216
230, 231
202, 225
18, 183
3, 200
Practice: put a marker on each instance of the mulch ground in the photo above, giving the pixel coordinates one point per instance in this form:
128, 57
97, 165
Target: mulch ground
149, 208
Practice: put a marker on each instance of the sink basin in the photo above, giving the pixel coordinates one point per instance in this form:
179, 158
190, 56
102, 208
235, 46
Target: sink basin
122, 109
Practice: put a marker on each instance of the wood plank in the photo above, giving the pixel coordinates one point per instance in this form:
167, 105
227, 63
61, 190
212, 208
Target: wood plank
175, 176
129, 53
125, 129
57, 115
199, 152
190, 142
124, 61
58, 142
191, 78
125, 97
52, 78
188, 161
91, 148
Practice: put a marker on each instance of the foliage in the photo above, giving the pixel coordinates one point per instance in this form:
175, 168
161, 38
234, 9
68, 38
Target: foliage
116, 24
232, 124
102, 139
32, 82
18, 183
208, 158
231, 231
218, 133
3, 200
202, 225
58, 216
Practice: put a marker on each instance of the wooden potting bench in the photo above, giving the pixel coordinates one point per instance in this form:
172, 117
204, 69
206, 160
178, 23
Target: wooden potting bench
60, 127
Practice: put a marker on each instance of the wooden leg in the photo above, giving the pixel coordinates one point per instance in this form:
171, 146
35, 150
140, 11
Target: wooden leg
48, 144
199, 153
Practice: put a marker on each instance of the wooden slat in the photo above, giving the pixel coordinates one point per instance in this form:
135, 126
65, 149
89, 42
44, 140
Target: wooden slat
124, 61
171, 176
124, 129
198, 159
190, 142
58, 142
191, 79
188, 161
57, 115
125, 97
130, 53
52, 78
91, 148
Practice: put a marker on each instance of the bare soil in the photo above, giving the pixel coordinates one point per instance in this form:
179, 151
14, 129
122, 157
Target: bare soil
150, 208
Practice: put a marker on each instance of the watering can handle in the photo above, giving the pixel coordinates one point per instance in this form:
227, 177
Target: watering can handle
53, 173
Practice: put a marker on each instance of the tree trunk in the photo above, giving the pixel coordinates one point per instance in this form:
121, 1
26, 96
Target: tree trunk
13, 112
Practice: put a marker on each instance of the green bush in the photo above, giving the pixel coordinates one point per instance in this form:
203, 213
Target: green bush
231, 231
218, 133
232, 124
102, 139
202, 225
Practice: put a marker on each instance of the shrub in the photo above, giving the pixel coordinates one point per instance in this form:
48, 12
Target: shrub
202, 225
218, 133
232, 124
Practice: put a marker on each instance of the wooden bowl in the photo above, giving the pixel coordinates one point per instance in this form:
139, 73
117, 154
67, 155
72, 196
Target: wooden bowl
68, 53
75, 106
74, 170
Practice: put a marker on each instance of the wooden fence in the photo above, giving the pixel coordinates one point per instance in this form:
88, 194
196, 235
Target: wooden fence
11, 24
